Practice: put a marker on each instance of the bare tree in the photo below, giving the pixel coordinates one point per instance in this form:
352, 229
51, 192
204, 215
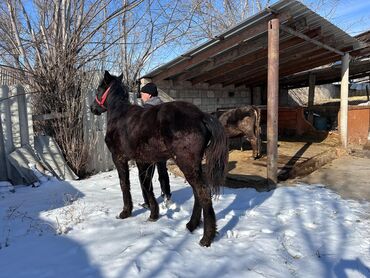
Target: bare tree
52, 44
152, 27
214, 17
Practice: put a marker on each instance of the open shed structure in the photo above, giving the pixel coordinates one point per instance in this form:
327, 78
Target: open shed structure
230, 69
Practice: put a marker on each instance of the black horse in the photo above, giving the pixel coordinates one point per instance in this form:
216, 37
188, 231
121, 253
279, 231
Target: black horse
177, 130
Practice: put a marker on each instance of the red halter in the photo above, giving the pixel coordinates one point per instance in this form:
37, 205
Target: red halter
103, 98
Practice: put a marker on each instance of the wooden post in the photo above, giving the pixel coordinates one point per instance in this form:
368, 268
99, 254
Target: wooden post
311, 96
256, 96
23, 117
272, 101
344, 100
3, 168
7, 135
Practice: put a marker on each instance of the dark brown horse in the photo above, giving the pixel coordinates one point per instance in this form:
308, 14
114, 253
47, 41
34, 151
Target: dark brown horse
243, 121
177, 130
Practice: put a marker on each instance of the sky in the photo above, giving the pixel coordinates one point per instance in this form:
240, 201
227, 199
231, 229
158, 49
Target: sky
352, 16
69, 229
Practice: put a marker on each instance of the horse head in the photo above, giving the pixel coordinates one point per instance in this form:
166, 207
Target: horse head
110, 85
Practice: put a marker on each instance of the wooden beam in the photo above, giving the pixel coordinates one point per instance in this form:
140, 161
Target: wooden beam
235, 65
326, 75
50, 116
316, 42
344, 100
311, 95
239, 51
272, 102
219, 46
259, 70
284, 71
260, 66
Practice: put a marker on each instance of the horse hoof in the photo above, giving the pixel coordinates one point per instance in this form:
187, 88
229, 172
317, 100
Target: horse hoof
124, 214
191, 227
153, 219
205, 242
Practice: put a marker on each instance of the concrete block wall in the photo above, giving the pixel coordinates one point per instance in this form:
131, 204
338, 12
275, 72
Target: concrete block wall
299, 96
207, 98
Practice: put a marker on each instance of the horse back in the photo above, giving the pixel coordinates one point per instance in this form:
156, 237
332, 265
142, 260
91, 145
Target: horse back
239, 121
150, 132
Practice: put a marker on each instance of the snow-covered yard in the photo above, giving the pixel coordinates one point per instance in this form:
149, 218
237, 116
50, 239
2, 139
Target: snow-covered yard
69, 229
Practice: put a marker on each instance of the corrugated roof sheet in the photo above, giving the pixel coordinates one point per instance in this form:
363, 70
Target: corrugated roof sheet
297, 12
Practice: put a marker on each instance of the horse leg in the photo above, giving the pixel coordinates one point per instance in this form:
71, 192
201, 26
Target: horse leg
123, 173
202, 200
146, 172
253, 141
195, 216
208, 215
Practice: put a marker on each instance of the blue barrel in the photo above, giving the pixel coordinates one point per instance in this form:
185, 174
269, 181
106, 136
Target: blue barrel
321, 123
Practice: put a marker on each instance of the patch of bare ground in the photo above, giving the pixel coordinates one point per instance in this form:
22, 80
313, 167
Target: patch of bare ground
297, 157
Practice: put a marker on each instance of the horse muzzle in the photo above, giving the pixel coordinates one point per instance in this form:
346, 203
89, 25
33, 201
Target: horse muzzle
95, 110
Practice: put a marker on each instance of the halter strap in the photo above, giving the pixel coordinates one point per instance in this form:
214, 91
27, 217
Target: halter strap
103, 98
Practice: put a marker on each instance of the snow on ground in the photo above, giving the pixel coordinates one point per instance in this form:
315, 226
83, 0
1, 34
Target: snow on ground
69, 229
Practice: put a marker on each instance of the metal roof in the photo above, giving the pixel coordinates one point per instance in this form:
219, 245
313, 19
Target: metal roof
217, 57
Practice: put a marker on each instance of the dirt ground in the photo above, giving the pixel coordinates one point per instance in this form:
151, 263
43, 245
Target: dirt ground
292, 152
313, 159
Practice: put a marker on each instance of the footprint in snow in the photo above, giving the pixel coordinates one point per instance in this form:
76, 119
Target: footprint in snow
241, 234
310, 225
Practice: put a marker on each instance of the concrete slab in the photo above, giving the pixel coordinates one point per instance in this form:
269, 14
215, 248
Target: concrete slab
21, 158
348, 175
52, 158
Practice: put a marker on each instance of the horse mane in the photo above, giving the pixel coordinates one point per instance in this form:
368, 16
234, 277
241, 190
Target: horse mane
120, 92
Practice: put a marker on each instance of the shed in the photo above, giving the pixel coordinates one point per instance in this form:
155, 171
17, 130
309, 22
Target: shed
233, 68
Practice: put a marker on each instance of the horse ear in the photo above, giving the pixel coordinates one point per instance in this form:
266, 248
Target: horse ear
107, 75
120, 77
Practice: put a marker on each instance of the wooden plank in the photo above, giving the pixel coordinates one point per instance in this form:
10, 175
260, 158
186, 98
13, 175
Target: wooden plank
313, 41
31, 133
3, 171
50, 116
220, 46
14, 116
285, 70
21, 158
52, 157
311, 95
242, 63
317, 58
22, 114
260, 66
5, 113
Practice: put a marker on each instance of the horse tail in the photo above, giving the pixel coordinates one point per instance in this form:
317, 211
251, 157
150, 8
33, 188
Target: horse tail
216, 153
257, 128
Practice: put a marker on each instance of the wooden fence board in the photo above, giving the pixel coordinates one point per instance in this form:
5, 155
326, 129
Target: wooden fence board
3, 167
16, 128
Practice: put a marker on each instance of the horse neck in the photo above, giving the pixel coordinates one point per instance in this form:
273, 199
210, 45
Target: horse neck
117, 107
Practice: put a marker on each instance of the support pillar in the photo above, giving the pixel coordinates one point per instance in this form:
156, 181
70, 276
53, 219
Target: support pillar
272, 101
344, 100
311, 96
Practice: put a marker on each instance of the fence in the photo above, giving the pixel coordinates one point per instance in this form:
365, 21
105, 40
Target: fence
16, 131
8, 76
